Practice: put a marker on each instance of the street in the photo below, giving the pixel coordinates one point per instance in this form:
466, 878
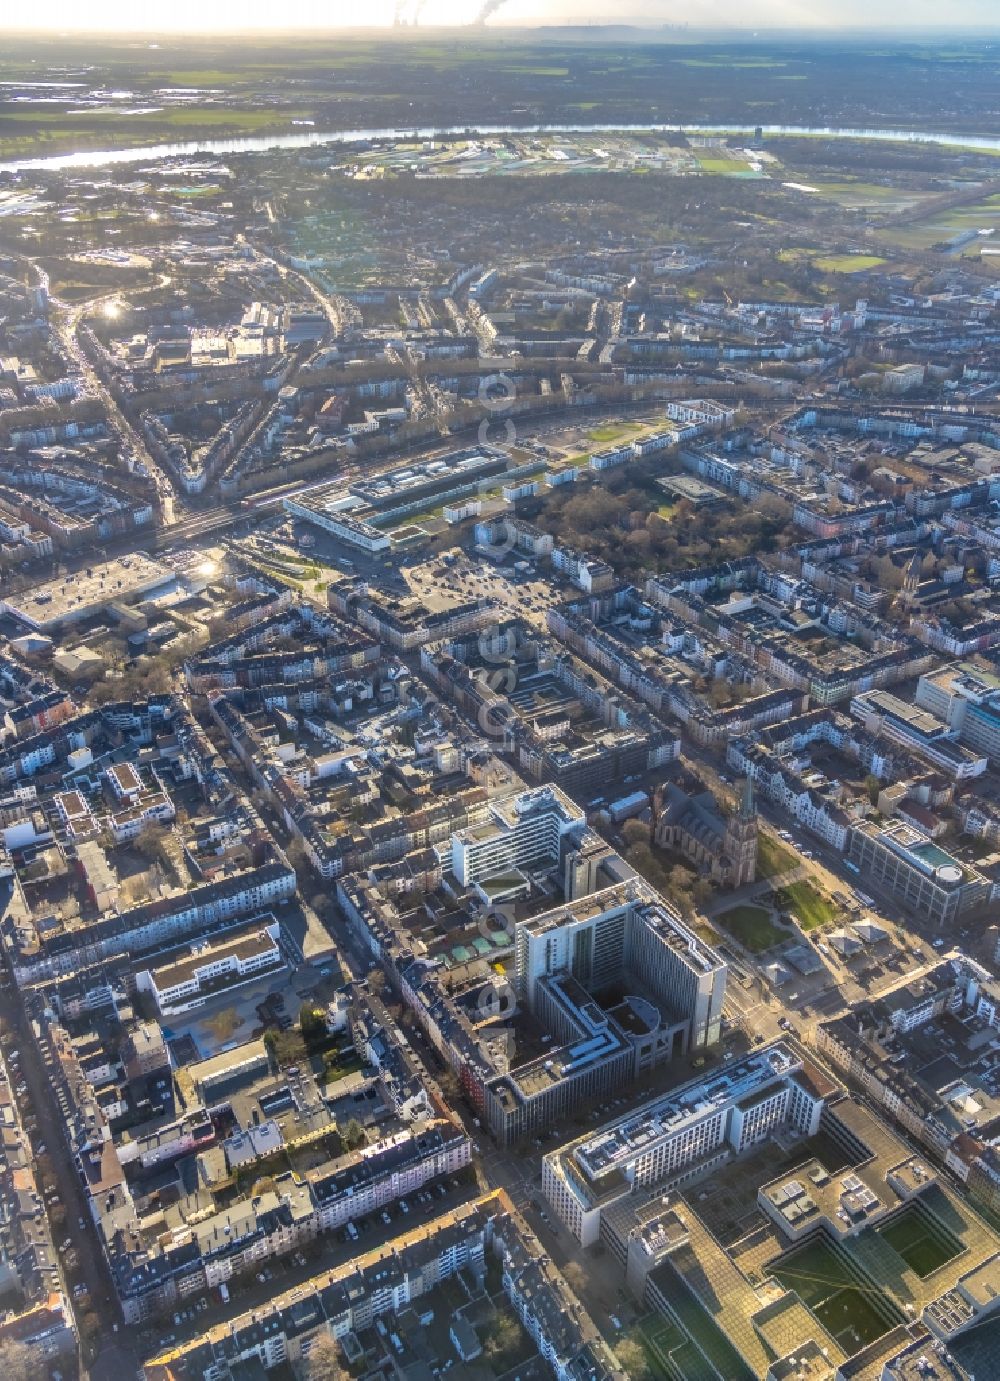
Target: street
91, 1265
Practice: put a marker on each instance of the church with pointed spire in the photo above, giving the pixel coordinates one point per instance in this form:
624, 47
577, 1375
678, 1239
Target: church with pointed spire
691, 823
740, 844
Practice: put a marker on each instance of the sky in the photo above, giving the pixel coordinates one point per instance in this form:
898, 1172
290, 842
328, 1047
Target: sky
218, 16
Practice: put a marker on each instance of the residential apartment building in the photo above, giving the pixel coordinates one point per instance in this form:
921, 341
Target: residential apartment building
967, 698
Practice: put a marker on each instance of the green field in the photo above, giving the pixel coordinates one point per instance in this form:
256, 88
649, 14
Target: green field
924, 1245
847, 263
700, 1326
607, 436
921, 233
773, 858
40, 133
728, 61
669, 1354
753, 927
723, 165
866, 194
855, 1315
809, 907
831, 263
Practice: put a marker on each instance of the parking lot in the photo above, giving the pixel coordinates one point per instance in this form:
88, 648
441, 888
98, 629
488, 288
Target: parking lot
527, 595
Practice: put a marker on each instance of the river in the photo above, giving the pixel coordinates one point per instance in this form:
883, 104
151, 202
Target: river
103, 158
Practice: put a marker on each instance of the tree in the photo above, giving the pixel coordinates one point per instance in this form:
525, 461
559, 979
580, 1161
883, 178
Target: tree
18, 1362
575, 1277
323, 1362
680, 882
873, 786
322, 904
312, 1023
354, 1133
702, 889
90, 1327
152, 844
503, 1337
635, 1363
296, 855
635, 832
285, 1047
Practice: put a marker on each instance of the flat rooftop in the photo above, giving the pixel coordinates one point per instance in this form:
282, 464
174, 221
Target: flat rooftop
245, 945
74, 596
632, 1135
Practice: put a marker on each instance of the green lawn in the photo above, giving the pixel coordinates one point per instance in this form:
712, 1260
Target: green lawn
922, 1246
753, 927
809, 907
728, 61
773, 858
853, 1315
541, 71
659, 1340
703, 1330
723, 165
605, 436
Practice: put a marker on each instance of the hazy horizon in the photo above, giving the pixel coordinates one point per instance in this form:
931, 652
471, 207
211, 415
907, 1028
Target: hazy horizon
180, 17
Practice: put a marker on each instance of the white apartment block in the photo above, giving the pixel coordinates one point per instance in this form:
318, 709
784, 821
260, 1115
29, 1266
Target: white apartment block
234, 959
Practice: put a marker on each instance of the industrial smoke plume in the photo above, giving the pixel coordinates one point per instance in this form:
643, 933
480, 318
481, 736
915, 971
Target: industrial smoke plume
488, 9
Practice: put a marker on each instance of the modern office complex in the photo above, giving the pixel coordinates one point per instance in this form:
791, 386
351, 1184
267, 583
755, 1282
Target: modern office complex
525, 830
919, 872
666, 986
622, 931
677, 1137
